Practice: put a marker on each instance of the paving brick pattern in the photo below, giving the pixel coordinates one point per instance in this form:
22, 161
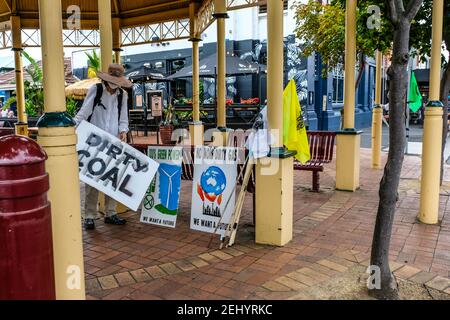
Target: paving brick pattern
332, 233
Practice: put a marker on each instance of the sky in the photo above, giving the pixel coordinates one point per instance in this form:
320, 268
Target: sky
7, 56
79, 59
77, 54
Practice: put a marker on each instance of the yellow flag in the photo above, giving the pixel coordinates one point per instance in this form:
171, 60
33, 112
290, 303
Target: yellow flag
294, 131
91, 73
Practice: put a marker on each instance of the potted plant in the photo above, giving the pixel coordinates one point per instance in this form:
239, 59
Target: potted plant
34, 92
167, 125
187, 116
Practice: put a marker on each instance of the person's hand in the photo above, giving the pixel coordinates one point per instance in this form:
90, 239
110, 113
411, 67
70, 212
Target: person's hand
123, 136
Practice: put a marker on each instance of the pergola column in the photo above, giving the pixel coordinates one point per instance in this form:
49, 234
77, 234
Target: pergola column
432, 131
117, 43
105, 22
220, 137
274, 175
349, 140
117, 39
58, 138
196, 126
106, 33
21, 125
377, 115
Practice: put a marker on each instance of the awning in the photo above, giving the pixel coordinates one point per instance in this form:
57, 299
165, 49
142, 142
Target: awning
235, 66
143, 73
422, 75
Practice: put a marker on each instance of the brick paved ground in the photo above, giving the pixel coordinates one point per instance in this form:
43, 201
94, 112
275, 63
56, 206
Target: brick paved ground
332, 233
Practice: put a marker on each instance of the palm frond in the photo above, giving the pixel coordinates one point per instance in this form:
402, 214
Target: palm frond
93, 60
8, 102
34, 69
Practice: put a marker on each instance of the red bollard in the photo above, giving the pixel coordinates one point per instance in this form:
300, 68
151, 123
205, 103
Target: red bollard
26, 249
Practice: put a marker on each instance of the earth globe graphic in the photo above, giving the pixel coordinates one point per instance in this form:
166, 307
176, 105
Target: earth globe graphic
213, 181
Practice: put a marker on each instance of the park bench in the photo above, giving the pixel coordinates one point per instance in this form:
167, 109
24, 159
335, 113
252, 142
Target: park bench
32, 132
6, 131
321, 146
138, 123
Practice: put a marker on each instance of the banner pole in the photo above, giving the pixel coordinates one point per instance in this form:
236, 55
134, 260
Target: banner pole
228, 201
407, 104
238, 207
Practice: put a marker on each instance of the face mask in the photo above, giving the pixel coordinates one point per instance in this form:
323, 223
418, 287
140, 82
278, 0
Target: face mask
112, 85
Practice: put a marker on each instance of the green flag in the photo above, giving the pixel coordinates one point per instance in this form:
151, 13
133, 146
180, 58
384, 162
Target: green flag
415, 98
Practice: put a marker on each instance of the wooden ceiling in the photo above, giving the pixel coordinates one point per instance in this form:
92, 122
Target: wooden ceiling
132, 12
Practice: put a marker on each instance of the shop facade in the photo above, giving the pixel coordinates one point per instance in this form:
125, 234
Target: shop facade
321, 95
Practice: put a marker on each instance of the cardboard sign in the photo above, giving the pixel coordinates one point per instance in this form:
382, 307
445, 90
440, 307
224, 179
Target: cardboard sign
112, 166
215, 173
160, 205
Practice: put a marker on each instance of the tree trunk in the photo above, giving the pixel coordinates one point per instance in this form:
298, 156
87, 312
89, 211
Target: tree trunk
388, 192
445, 88
362, 67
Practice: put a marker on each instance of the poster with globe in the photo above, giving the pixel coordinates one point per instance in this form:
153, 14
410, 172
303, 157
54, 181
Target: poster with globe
160, 204
215, 173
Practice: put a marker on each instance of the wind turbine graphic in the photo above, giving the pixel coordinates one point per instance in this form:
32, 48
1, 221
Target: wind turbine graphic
169, 189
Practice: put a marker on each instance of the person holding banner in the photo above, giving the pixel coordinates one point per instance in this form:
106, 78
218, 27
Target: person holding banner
105, 106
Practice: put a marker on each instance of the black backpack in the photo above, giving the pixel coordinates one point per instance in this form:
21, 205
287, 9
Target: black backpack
98, 100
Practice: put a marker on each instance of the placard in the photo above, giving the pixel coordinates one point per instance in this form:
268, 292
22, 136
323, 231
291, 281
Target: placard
215, 173
160, 204
156, 106
138, 101
112, 166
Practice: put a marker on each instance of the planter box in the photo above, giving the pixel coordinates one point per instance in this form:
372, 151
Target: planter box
166, 134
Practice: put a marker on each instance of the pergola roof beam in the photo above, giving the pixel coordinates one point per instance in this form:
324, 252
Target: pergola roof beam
156, 21
173, 3
8, 4
116, 7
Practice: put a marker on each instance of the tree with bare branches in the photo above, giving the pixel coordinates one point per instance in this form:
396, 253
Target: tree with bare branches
401, 17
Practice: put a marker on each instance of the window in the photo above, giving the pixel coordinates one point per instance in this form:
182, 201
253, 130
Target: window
175, 65
338, 89
179, 86
263, 7
338, 85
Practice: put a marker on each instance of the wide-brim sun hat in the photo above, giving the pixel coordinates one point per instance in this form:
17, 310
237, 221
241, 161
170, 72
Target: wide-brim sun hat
115, 75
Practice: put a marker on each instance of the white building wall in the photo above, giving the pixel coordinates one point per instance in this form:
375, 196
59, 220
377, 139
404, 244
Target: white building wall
146, 48
243, 24
288, 23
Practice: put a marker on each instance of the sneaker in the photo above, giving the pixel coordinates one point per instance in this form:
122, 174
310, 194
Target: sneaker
115, 220
89, 224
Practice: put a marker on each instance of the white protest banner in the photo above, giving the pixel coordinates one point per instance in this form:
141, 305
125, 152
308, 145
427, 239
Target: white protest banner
215, 172
112, 166
160, 205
